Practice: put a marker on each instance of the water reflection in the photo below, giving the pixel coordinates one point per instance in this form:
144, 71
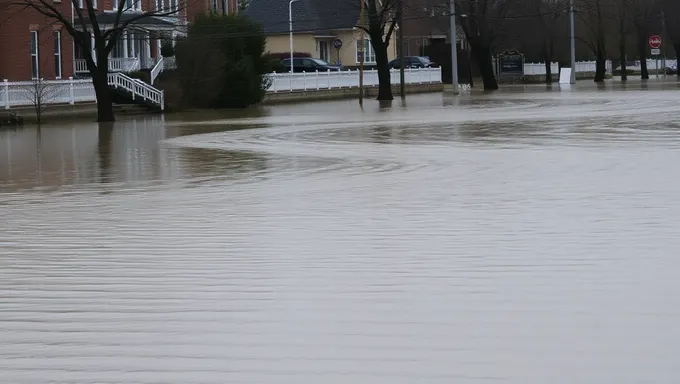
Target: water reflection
128, 151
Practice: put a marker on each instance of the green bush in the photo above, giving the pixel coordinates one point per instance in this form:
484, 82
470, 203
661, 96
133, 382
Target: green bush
221, 62
141, 75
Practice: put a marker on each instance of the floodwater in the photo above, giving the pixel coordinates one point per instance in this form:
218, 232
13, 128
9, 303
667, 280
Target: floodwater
518, 237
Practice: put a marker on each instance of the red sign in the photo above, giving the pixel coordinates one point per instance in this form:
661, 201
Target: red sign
655, 41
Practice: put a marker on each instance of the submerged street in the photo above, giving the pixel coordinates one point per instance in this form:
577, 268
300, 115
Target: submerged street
525, 237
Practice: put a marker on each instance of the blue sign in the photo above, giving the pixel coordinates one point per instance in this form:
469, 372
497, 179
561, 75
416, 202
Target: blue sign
511, 63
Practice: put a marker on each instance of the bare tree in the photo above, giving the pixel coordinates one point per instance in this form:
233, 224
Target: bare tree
40, 94
644, 13
382, 17
623, 16
86, 29
595, 15
547, 17
671, 17
483, 21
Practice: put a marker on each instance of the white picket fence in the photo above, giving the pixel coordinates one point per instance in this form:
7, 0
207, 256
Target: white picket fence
581, 67
651, 64
539, 68
28, 93
306, 81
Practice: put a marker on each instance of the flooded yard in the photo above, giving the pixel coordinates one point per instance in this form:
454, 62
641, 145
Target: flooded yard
522, 237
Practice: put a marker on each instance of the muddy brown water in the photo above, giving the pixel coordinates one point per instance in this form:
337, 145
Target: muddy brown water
520, 237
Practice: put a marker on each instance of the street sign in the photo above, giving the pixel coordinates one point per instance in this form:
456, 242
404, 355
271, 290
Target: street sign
656, 51
512, 63
655, 41
337, 43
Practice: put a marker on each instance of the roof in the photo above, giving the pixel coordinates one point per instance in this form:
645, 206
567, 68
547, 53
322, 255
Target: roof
316, 16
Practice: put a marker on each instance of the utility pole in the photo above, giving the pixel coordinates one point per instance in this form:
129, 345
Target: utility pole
400, 14
572, 79
363, 52
290, 31
454, 49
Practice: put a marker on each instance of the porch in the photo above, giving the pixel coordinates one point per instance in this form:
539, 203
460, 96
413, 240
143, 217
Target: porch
139, 49
135, 51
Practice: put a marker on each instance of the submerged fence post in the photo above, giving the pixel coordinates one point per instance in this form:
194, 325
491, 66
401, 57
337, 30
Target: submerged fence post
71, 92
6, 93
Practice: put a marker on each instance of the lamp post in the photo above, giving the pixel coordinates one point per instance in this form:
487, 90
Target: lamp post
572, 79
454, 49
290, 28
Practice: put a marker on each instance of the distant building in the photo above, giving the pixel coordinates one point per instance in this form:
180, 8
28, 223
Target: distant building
35, 46
316, 25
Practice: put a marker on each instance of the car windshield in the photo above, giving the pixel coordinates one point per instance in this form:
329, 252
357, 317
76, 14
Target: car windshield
320, 62
423, 59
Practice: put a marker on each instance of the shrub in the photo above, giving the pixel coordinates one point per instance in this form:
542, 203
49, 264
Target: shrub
141, 75
221, 62
167, 49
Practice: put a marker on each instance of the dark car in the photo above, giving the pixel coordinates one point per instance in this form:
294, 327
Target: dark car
413, 62
308, 64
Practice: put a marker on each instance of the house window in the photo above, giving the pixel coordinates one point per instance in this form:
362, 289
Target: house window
81, 4
369, 53
159, 5
174, 5
57, 54
35, 68
135, 5
215, 5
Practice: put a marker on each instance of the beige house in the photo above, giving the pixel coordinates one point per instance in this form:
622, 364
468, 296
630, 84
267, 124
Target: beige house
319, 27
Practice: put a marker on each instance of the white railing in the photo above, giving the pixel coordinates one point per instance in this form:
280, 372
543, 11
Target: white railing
27, 93
157, 69
138, 89
306, 81
124, 64
80, 66
539, 68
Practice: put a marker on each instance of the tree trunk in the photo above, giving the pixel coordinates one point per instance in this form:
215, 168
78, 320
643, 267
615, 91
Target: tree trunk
642, 54
383, 66
103, 93
600, 68
483, 56
601, 61
622, 52
676, 46
548, 70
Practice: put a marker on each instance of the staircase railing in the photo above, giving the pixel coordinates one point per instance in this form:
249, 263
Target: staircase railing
138, 89
157, 69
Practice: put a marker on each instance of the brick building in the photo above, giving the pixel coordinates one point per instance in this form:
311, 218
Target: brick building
35, 46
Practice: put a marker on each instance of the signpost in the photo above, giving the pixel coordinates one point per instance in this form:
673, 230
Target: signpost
655, 44
511, 64
337, 44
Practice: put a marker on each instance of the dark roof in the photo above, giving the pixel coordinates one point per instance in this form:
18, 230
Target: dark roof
109, 18
317, 16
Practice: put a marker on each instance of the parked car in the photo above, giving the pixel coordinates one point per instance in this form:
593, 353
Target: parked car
413, 62
308, 64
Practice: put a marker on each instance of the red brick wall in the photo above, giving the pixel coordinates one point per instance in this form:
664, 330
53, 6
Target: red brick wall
15, 43
15, 37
